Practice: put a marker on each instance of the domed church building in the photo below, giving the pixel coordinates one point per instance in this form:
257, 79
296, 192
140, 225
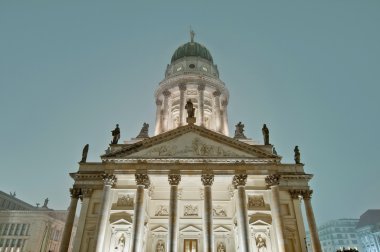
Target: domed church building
191, 187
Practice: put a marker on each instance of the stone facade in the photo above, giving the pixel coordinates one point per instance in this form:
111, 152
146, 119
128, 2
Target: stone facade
191, 187
25, 228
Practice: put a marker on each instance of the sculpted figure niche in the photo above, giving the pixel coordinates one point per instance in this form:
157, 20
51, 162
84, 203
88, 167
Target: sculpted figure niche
261, 244
160, 246
221, 247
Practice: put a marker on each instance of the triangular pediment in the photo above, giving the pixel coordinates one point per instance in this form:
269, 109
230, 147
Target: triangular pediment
190, 229
221, 229
160, 229
189, 141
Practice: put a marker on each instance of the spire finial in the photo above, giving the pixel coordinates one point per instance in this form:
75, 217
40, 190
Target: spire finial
192, 34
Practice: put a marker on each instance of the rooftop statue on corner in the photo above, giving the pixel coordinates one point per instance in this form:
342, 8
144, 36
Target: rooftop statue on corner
265, 131
84, 154
115, 134
297, 155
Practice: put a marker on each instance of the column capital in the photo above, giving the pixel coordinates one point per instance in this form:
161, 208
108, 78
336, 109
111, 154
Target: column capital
109, 179
201, 87
217, 93
272, 180
294, 194
86, 192
166, 93
239, 180
74, 193
158, 102
142, 179
174, 179
182, 87
207, 179
306, 194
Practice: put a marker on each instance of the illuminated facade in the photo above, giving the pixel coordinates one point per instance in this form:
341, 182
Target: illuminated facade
191, 187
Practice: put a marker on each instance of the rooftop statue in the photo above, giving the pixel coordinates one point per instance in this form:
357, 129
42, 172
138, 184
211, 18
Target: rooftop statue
84, 154
190, 109
274, 151
265, 131
144, 131
115, 134
46, 202
239, 131
297, 155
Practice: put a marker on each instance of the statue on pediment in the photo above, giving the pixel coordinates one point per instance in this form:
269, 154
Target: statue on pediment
265, 131
190, 109
144, 131
84, 154
115, 134
239, 131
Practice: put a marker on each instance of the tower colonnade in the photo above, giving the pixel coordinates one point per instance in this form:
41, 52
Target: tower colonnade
239, 181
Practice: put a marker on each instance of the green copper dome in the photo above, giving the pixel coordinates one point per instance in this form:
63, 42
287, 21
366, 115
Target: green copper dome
192, 49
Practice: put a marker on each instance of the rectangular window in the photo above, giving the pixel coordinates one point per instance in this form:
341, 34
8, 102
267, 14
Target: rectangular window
190, 245
5, 230
12, 229
18, 227
23, 229
19, 243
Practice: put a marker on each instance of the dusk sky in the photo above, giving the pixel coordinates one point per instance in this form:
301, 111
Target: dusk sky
310, 70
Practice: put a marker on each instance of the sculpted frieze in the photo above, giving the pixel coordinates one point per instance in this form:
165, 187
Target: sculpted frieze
162, 210
191, 145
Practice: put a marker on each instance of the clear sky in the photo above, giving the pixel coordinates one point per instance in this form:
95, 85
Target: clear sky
71, 70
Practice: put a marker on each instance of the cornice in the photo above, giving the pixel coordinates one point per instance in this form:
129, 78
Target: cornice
169, 135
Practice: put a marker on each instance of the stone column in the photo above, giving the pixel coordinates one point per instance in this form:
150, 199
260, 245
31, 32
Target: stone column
225, 118
142, 182
239, 181
182, 103
273, 182
207, 180
65, 243
306, 195
201, 89
109, 180
85, 197
165, 113
295, 195
158, 129
218, 122
174, 180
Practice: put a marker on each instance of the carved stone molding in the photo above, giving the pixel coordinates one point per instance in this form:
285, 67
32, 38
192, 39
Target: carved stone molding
109, 179
201, 87
217, 93
306, 194
182, 87
86, 192
174, 179
207, 179
239, 180
142, 179
272, 180
166, 93
158, 102
74, 192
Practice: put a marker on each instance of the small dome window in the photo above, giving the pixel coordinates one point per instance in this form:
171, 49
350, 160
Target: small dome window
192, 66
